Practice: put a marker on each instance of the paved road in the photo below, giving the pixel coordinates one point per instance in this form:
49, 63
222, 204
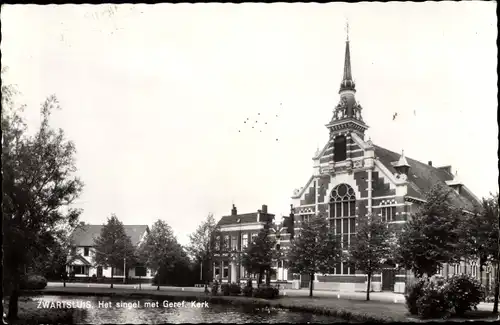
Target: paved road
389, 297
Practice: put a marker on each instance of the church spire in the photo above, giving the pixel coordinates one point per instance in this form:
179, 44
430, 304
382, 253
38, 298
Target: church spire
347, 82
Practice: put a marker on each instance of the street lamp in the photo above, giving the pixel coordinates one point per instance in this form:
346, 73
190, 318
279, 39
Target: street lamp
239, 251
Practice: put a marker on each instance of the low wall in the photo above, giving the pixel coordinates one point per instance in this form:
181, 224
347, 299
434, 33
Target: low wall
89, 279
347, 286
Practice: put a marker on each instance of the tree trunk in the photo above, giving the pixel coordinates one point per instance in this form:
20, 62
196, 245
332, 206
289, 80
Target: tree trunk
111, 278
13, 302
368, 286
497, 289
311, 284
259, 279
268, 277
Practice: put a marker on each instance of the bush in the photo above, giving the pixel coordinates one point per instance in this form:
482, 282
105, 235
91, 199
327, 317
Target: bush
215, 288
266, 292
464, 293
33, 282
415, 291
433, 301
225, 289
427, 298
234, 289
247, 291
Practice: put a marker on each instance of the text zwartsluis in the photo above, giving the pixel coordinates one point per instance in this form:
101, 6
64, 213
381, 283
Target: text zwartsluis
64, 304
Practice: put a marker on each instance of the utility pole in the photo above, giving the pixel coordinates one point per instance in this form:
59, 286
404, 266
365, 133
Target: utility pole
124, 270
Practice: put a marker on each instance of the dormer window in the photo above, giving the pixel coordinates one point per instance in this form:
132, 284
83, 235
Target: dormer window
340, 148
86, 251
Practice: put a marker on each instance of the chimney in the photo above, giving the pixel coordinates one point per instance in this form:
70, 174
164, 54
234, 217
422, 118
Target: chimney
234, 212
430, 163
258, 215
264, 208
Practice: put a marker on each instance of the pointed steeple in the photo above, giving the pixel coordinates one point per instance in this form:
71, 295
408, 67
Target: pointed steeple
347, 114
402, 160
402, 166
347, 82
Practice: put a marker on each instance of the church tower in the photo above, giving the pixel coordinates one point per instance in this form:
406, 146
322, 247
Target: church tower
347, 116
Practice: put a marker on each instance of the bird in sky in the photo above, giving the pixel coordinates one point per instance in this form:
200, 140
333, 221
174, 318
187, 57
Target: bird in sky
394, 116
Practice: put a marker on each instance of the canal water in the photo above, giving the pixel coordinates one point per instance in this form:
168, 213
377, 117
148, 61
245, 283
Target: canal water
106, 310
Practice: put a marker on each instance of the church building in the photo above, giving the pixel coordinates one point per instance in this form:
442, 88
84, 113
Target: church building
353, 177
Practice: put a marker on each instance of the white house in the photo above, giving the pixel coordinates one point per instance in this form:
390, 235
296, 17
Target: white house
83, 263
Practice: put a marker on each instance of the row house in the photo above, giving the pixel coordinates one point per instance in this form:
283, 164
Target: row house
236, 233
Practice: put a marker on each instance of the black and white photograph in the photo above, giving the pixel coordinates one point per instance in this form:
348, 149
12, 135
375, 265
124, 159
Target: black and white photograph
302, 163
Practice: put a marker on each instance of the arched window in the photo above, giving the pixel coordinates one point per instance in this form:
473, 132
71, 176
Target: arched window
343, 220
340, 148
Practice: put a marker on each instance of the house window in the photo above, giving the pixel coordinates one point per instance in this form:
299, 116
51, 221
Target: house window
117, 272
225, 244
343, 220
85, 251
388, 214
243, 272
225, 271
340, 148
234, 243
244, 241
217, 243
79, 269
253, 237
217, 270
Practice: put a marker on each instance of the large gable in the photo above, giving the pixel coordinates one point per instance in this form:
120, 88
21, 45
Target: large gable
85, 235
422, 177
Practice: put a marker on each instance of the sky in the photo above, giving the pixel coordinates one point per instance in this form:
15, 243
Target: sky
155, 96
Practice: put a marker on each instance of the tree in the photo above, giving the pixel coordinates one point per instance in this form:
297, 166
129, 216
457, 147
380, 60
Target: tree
315, 250
258, 257
160, 250
202, 245
113, 248
370, 247
432, 236
38, 188
482, 230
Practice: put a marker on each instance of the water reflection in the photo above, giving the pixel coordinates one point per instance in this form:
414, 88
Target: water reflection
105, 310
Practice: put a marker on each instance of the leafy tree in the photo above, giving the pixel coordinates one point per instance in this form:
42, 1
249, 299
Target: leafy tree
202, 245
259, 256
160, 250
113, 248
482, 230
370, 247
38, 188
432, 236
315, 250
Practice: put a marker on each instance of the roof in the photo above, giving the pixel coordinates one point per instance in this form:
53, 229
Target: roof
244, 218
422, 177
84, 236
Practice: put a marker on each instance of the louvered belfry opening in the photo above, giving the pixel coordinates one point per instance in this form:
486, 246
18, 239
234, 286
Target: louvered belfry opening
340, 148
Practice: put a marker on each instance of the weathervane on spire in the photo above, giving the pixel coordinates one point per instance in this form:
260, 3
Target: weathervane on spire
347, 28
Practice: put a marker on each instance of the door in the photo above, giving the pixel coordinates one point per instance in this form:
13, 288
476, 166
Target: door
304, 280
99, 271
388, 279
